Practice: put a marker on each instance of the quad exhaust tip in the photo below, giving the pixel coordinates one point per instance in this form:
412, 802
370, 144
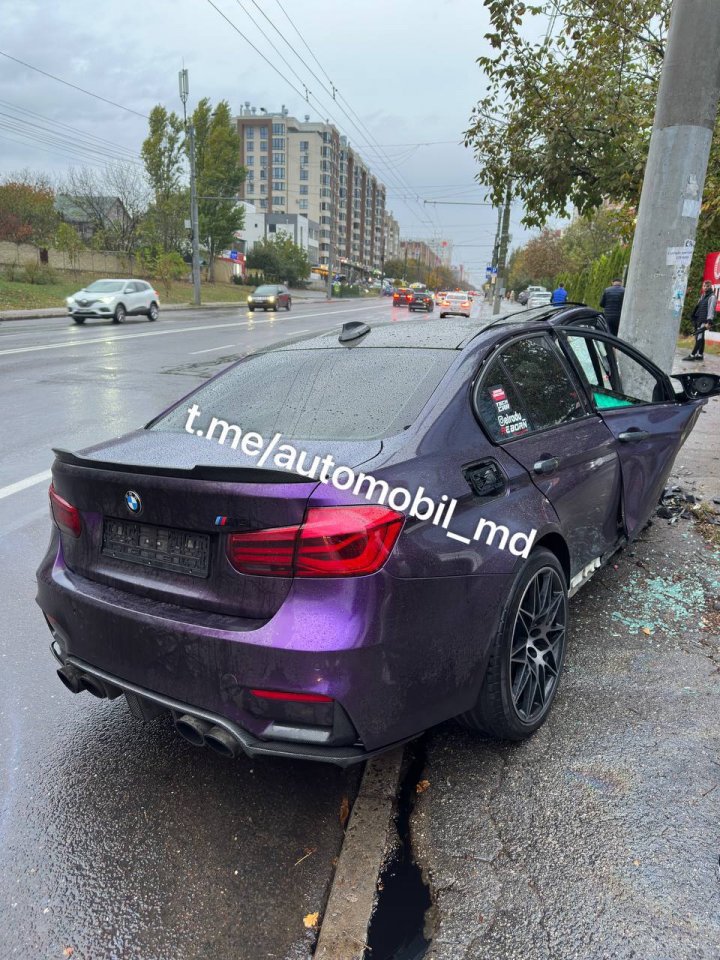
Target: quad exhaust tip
222, 742
76, 682
193, 729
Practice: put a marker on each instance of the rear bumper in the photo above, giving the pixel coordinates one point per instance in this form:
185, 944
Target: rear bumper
251, 745
394, 654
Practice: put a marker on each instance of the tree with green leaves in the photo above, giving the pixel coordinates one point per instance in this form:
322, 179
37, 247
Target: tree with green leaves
163, 154
219, 175
169, 267
69, 243
566, 120
280, 259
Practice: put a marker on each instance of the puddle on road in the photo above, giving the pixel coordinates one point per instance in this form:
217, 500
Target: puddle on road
398, 927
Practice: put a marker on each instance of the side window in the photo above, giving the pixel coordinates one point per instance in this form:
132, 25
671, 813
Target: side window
130, 288
498, 405
615, 378
526, 389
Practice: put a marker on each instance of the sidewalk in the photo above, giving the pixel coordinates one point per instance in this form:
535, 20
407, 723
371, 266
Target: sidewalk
598, 838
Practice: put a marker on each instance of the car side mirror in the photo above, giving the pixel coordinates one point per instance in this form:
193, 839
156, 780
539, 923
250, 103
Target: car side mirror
699, 385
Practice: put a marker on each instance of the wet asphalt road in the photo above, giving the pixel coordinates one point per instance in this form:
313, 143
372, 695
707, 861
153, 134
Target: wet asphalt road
118, 839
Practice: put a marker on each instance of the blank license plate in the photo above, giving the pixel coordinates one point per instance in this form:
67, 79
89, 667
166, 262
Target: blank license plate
163, 548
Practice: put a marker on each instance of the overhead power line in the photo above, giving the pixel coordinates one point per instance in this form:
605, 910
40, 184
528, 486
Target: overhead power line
74, 86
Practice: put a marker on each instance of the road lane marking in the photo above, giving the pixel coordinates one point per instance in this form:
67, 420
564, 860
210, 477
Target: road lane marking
161, 333
225, 346
24, 484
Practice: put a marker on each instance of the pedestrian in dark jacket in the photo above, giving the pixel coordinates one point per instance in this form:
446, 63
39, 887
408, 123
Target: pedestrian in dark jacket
611, 303
702, 318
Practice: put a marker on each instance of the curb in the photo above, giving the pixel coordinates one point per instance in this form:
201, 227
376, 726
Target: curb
369, 839
47, 312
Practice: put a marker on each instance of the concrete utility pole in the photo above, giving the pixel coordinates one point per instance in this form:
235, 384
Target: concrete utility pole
502, 252
674, 179
194, 226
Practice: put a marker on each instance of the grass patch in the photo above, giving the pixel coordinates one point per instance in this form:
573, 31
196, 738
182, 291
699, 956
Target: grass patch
687, 343
29, 296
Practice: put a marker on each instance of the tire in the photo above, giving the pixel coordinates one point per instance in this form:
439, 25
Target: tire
153, 312
288, 304
79, 320
442, 316
120, 314
251, 309
509, 706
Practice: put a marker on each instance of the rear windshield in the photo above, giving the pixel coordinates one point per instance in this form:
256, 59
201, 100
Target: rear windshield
357, 394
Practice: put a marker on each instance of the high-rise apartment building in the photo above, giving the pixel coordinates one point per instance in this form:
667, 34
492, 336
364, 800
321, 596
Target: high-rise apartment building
308, 168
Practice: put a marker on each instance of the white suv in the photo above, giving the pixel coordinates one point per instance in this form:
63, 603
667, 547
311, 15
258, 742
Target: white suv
115, 299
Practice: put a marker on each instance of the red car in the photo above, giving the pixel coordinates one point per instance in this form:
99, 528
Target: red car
402, 297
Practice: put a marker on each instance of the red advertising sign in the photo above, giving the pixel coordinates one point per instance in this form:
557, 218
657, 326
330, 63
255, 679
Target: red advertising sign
712, 273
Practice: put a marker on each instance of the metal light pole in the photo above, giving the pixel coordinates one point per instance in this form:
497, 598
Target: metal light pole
674, 178
184, 91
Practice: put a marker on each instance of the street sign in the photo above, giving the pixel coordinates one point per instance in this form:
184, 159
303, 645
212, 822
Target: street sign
233, 254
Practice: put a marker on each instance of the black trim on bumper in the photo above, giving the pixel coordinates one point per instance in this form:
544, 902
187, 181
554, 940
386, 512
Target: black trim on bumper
252, 746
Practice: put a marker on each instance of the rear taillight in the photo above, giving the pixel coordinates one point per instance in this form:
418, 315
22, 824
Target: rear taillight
331, 542
65, 515
309, 709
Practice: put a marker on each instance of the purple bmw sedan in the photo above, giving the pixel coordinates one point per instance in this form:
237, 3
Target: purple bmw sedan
335, 544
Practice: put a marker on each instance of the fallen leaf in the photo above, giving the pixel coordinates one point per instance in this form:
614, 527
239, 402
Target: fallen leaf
311, 920
344, 811
647, 631
422, 786
68, 952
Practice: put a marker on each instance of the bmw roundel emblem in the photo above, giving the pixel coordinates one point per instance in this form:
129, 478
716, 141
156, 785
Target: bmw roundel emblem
133, 501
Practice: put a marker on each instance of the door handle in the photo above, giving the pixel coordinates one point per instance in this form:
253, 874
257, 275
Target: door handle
546, 466
633, 435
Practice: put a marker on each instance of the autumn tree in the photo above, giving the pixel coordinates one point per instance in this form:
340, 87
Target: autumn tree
566, 120
27, 211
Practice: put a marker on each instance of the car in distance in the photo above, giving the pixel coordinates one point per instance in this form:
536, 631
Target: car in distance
422, 300
539, 298
114, 300
269, 610
525, 295
269, 296
402, 297
457, 303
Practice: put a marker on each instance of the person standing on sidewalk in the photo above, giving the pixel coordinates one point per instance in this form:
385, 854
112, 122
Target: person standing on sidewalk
702, 317
611, 304
559, 294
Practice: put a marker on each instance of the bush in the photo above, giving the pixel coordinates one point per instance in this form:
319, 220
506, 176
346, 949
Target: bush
14, 272
38, 274
238, 279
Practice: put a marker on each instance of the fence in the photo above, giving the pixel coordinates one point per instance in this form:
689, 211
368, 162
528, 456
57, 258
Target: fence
88, 261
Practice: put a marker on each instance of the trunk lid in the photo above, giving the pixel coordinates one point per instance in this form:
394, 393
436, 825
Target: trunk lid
190, 495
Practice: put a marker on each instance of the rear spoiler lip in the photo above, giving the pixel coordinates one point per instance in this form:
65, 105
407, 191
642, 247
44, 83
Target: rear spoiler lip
219, 474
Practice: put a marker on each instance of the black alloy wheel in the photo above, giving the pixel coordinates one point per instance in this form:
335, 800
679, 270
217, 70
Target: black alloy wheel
527, 654
120, 314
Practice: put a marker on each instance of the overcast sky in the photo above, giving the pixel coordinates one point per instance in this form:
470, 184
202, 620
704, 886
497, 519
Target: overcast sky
406, 68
